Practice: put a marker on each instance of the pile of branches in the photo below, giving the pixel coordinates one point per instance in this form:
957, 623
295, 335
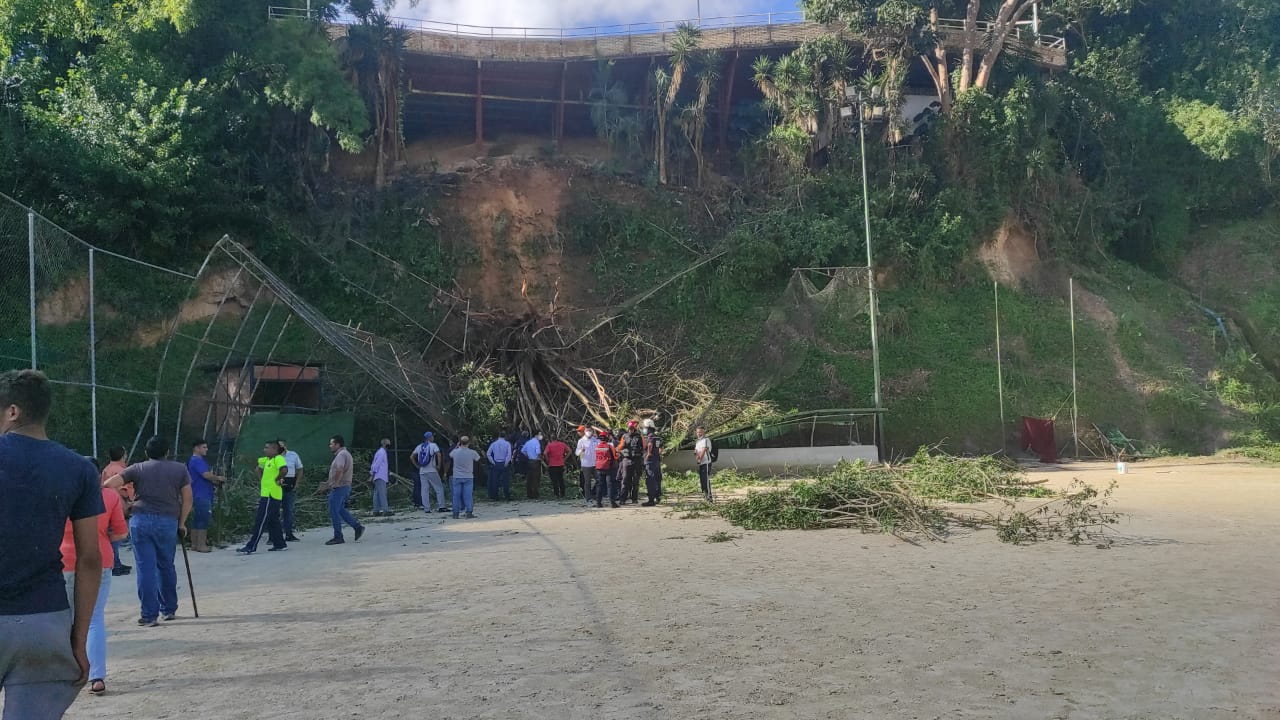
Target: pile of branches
906, 502
562, 379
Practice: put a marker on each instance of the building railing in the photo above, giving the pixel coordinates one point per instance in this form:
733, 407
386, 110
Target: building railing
729, 22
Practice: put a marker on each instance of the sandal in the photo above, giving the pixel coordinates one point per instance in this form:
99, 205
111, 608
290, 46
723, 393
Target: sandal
97, 687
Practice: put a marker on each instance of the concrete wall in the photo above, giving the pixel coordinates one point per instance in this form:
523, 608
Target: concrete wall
776, 460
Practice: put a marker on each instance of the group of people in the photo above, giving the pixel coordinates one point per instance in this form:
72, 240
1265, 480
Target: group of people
609, 465
62, 521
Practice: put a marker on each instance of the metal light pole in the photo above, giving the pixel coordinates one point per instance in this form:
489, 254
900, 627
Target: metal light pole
871, 275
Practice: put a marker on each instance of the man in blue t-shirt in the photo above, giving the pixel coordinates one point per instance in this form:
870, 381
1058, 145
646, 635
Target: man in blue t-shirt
204, 484
42, 485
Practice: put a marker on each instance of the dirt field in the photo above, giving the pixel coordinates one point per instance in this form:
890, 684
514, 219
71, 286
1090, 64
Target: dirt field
551, 611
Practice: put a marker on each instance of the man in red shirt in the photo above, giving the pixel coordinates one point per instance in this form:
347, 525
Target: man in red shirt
555, 454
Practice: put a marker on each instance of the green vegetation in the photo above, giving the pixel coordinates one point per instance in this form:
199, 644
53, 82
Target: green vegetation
901, 501
154, 127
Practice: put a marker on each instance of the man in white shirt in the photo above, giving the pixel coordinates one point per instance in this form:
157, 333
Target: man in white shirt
379, 473
532, 452
464, 473
426, 457
292, 476
702, 452
586, 454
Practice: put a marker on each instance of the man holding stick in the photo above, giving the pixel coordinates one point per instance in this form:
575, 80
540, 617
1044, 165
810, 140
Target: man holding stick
43, 658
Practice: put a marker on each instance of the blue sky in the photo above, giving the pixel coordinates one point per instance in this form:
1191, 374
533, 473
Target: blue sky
579, 13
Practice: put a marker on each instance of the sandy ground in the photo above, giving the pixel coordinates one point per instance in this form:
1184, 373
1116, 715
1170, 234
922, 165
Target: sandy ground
547, 610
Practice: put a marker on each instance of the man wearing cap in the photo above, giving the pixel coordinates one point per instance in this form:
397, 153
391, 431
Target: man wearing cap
631, 449
585, 451
426, 457
499, 475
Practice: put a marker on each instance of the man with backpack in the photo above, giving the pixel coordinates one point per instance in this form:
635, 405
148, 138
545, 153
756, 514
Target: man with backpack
631, 449
705, 453
426, 457
606, 470
652, 464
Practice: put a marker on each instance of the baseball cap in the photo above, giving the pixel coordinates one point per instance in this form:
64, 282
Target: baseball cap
427, 436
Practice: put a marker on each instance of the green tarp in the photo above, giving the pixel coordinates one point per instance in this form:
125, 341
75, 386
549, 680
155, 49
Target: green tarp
307, 435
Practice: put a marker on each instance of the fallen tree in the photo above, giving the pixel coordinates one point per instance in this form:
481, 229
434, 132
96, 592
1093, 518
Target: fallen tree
906, 501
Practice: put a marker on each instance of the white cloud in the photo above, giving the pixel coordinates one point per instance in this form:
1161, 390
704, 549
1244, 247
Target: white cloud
575, 13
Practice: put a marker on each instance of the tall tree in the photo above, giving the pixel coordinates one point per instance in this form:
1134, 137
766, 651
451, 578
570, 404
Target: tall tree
683, 44
693, 119
895, 28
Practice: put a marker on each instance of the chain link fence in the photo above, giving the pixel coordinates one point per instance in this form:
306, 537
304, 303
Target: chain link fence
65, 305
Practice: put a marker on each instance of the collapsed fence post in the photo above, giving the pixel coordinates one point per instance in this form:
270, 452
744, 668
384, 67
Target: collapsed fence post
31, 272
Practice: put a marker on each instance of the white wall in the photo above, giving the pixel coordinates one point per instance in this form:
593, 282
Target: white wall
774, 460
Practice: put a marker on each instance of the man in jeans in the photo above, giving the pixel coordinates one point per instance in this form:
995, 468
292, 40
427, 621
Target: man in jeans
289, 486
339, 486
162, 489
114, 468
463, 481
203, 487
426, 457
43, 661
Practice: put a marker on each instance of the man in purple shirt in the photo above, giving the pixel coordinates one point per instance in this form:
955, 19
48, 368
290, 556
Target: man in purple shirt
379, 473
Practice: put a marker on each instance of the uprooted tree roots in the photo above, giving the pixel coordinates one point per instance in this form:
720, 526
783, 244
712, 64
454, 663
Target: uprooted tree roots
558, 380
904, 501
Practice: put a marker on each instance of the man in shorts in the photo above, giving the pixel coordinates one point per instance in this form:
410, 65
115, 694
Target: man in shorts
43, 658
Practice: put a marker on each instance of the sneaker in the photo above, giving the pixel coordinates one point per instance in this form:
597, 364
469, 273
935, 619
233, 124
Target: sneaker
277, 548
359, 532
290, 537
648, 504
471, 515
148, 623
126, 568
120, 572
245, 551
443, 509
168, 617
334, 541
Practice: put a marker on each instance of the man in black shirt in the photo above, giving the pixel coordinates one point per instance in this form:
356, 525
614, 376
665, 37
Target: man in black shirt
43, 662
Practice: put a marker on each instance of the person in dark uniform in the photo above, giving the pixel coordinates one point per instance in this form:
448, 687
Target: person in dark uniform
631, 449
652, 465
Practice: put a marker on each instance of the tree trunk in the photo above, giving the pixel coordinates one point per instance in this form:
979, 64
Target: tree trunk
970, 34
1011, 11
937, 66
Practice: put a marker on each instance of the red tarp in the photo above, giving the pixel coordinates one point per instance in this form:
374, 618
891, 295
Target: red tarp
1037, 435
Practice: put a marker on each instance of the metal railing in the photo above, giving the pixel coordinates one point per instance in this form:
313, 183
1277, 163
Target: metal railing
728, 22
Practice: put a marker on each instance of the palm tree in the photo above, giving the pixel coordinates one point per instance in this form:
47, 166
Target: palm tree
683, 44
693, 119
615, 123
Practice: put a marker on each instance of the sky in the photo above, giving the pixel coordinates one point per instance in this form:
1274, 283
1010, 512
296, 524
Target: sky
578, 13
